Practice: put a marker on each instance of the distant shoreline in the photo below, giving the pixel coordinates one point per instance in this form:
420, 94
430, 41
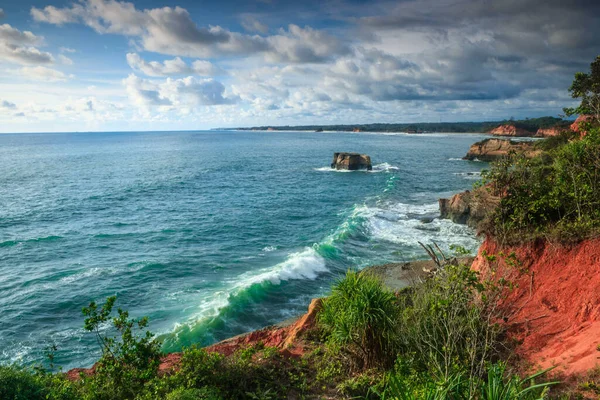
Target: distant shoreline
531, 124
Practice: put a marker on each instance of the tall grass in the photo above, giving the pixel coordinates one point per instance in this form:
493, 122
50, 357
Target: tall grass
362, 316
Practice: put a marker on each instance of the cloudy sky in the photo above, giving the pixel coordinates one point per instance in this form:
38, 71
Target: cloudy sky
94, 65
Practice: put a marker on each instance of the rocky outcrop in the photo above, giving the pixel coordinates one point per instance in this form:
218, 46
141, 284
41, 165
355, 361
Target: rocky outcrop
578, 125
511, 130
552, 309
549, 132
469, 207
287, 337
351, 161
493, 149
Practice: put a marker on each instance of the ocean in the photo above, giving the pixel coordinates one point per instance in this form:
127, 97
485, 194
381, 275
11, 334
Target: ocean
210, 233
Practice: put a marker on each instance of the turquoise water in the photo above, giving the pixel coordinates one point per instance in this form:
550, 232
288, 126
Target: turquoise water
210, 234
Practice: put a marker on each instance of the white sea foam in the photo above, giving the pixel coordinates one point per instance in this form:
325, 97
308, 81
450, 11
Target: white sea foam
268, 249
476, 175
456, 159
408, 224
383, 167
305, 264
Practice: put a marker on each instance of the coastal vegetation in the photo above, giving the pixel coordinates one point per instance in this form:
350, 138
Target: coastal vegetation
442, 338
439, 340
529, 124
555, 195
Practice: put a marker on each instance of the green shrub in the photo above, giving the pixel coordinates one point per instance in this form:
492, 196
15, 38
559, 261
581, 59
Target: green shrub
199, 368
17, 383
500, 387
362, 316
128, 361
206, 393
447, 328
556, 195
496, 385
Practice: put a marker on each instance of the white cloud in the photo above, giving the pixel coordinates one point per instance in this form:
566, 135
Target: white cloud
195, 92
7, 105
1, 13
251, 24
10, 35
305, 45
18, 47
173, 67
64, 60
176, 94
43, 74
144, 93
172, 31
67, 50
25, 55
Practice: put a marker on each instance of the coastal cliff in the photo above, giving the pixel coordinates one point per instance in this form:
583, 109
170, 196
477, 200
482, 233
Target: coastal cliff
550, 132
553, 307
493, 149
510, 130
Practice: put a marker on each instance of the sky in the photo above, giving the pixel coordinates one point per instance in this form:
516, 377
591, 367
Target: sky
105, 65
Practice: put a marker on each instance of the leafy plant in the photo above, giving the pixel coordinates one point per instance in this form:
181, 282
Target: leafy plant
448, 326
128, 361
362, 316
498, 387
587, 88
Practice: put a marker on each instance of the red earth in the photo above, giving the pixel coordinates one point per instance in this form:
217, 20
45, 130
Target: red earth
554, 309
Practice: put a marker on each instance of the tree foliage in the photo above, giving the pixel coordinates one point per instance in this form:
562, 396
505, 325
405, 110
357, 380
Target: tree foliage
586, 86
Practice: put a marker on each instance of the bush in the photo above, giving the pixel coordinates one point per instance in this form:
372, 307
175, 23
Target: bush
448, 327
128, 361
556, 195
496, 385
206, 393
361, 315
17, 383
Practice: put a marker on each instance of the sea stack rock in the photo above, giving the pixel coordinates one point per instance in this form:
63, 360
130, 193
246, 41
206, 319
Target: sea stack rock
469, 207
351, 161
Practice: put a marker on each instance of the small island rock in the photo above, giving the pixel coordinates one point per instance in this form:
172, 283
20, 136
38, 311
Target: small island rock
351, 161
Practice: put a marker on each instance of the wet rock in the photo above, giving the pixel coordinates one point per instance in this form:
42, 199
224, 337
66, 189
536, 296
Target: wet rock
351, 161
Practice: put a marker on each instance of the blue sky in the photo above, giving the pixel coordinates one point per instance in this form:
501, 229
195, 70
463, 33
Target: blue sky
96, 65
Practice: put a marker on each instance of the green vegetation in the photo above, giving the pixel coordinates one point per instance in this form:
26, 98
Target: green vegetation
555, 195
362, 317
530, 124
587, 88
436, 340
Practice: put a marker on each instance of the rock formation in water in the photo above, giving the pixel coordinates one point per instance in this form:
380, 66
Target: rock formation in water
511, 130
469, 207
351, 161
493, 149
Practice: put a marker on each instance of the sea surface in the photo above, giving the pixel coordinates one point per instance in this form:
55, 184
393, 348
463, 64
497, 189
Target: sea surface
209, 233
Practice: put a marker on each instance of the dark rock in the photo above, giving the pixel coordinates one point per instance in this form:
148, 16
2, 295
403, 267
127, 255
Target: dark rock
351, 161
469, 207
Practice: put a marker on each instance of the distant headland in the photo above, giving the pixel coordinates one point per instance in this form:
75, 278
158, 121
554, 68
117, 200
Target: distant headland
525, 127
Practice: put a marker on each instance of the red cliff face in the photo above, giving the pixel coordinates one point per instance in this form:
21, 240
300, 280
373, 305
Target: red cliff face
510, 130
576, 126
548, 132
554, 309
